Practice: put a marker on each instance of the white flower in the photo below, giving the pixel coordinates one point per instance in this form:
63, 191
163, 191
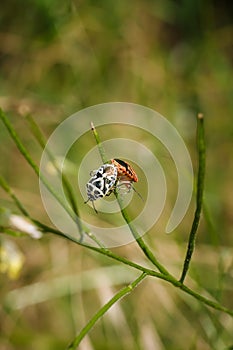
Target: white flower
26, 226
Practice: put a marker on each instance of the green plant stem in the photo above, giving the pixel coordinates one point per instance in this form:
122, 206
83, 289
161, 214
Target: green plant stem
11, 232
106, 252
205, 300
149, 272
42, 142
41, 226
30, 161
199, 194
28, 158
148, 253
9, 191
121, 294
170, 279
36, 131
99, 144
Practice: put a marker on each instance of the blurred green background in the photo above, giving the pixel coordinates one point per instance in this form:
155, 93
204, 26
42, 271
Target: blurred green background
58, 57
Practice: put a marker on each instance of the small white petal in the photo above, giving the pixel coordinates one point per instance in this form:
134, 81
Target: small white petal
26, 226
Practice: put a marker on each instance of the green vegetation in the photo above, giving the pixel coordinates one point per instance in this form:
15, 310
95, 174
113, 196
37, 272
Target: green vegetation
57, 58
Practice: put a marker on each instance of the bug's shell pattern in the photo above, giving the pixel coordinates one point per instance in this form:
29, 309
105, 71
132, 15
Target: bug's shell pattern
124, 170
101, 182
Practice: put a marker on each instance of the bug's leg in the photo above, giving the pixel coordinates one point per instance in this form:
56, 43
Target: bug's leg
94, 207
109, 192
93, 172
123, 187
138, 193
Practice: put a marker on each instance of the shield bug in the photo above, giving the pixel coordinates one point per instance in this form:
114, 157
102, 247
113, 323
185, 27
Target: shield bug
101, 183
125, 176
124, 170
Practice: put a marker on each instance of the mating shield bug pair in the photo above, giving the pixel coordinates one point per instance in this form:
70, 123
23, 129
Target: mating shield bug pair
108, 177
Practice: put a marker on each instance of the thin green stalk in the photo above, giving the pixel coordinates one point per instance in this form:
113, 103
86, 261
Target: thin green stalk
43, 227
100, 313
36, 131
148, 272
199, 194
139, 239
99, 144
31, 162
28, 158
143, 269
148, 253
18, 143
108, 253
9, 191
214, 235
205, 300
42, 142
11, 232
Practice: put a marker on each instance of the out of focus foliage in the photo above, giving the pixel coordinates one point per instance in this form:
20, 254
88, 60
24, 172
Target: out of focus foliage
57, 57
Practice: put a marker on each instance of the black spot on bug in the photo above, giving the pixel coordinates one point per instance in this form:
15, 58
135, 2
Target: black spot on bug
121, 162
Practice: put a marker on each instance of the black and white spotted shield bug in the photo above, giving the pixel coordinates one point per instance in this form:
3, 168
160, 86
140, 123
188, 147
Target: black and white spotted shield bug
101, 183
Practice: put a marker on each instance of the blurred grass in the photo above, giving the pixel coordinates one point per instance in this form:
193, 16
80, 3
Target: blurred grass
175, 57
